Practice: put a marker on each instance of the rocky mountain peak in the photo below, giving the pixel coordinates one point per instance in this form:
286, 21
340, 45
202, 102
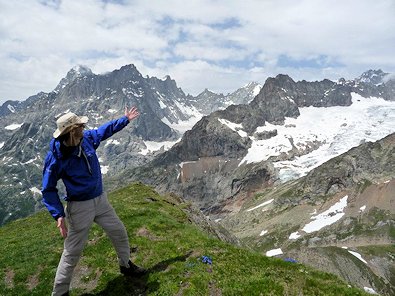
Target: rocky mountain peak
81, 70
77, 72
129, 70
375, 83
245, 94
283, 79
277, 99
279, 83
208, 100
375, 77
207, 93
167, 78
167, 83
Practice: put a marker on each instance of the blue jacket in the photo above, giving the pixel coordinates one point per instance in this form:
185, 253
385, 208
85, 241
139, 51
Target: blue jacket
80, 171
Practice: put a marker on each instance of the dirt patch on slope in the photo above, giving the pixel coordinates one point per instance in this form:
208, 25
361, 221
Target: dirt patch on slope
144, 232
85, 278
9, 278
33, 280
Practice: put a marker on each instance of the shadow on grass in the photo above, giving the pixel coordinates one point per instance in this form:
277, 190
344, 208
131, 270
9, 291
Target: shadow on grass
133, 286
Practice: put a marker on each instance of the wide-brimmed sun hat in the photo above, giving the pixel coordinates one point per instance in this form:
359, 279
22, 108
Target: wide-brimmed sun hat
65, 122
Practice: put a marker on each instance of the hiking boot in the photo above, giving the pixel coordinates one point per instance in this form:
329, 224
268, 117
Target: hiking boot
132, 270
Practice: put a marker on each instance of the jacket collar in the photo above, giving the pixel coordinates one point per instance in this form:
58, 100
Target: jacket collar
55, 148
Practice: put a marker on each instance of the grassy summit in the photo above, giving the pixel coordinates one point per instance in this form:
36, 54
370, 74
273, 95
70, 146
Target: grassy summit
163, 240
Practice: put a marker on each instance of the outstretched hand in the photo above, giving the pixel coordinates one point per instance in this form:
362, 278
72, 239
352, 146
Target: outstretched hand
132, 113
62, 227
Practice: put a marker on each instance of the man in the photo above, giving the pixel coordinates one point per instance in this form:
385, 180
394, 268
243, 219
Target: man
72, 158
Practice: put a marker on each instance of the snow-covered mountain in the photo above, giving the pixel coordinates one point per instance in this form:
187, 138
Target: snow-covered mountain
288, 129
166, 112
324, 132
208, 101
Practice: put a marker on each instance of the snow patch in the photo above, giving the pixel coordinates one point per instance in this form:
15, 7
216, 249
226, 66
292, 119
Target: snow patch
29, 161
263, 232
361, 209
13, 126
234, 127
112, 142
183, 126
330, 216
104, 169
35, 190
260, 205
152, 146
162, 105
257, 90
370, 291
181, 164
1, 144
294, 235
274, 252
358, 256
191, 111
11, 108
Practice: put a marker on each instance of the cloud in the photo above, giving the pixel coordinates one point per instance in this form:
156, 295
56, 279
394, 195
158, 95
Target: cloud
200, 43
389, 77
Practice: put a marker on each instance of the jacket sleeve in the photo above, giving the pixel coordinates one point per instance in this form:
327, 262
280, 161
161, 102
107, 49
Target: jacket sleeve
107, 130
50, 192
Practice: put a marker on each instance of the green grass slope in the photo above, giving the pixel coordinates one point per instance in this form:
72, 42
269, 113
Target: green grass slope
163, 240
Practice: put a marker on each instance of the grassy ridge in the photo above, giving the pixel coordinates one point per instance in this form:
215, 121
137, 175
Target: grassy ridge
165, 242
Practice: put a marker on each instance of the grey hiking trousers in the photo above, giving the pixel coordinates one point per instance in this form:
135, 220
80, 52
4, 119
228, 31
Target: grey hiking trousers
79, 216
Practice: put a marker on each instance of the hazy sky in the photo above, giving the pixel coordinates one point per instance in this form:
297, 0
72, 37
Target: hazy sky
219, 45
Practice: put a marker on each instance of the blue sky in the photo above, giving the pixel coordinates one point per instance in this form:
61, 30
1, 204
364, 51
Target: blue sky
219, 45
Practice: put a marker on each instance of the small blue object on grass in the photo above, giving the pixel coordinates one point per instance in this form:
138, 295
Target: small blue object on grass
207, 260
290, 260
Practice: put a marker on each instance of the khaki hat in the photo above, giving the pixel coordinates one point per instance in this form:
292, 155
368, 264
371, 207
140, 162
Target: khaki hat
66, 121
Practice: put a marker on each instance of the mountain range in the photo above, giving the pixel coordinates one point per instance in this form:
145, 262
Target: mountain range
312, 151
165, 113
288, 148
286, 130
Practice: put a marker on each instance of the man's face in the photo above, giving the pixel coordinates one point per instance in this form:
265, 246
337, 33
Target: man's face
78, 131
76, 134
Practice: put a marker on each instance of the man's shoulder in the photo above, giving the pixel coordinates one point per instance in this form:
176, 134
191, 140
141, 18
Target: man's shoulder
51, 158
54, 149
89, 136
89, 141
